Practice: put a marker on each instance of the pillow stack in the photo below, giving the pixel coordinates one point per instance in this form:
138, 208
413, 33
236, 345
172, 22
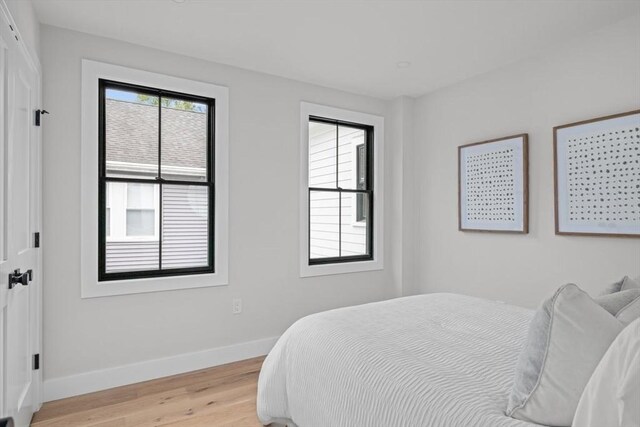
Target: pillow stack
622, 299
623, 284
568, 336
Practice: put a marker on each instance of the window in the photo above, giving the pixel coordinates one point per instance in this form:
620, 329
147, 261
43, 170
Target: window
179, 171
156, 198
335, 189
340, 191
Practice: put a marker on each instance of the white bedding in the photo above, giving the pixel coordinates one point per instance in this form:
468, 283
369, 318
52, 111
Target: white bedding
435, 360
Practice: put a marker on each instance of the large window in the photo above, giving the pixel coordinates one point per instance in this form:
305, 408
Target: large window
156, 182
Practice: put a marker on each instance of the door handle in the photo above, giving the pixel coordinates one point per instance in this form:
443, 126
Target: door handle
16, 278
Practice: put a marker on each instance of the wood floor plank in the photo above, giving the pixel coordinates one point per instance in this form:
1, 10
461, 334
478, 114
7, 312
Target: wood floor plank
191, 406
61, 407
220, 417
219, 396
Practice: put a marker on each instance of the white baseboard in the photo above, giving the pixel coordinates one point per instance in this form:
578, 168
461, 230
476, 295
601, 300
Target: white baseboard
59, 388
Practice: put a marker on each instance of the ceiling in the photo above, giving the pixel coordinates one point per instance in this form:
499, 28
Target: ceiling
354, 45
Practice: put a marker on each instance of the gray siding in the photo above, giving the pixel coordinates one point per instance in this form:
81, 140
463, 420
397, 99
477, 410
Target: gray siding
184, 226
129, 256
184, 231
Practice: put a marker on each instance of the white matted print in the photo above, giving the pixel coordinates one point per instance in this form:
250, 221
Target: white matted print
493, 187
597, 166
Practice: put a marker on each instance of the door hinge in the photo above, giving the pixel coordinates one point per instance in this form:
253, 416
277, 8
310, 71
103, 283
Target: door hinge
36, 362
39, 113
36, 240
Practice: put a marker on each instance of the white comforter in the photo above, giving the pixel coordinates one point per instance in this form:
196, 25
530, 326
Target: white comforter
435, 360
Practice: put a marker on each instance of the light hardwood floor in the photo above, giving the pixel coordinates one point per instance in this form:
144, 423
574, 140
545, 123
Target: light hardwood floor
220, 396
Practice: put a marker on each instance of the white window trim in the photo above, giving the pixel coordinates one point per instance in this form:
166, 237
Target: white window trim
91, 287
306, 110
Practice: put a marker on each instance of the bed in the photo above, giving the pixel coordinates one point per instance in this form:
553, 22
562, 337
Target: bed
435, 360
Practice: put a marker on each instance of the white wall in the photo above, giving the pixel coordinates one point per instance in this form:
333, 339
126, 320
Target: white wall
27, 22
90, 334
594, 76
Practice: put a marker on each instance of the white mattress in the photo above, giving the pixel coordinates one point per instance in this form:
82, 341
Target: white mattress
429, 360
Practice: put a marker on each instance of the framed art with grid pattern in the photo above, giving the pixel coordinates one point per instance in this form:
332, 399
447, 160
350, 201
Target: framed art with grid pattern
493, 185
597, 176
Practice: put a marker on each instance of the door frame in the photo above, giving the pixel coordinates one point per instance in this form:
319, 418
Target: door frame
33, 62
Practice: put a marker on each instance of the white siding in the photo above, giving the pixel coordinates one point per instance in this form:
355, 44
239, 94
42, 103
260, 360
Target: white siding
324, 206
184, 226
128, 256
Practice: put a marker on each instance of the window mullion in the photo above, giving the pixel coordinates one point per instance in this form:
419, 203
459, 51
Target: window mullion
337, 156
156, 181
339, 192
159, 178
340, 223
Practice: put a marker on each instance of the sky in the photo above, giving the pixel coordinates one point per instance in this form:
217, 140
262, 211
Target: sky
122, 95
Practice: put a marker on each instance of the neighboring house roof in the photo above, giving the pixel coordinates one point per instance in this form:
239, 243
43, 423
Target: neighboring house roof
132, 135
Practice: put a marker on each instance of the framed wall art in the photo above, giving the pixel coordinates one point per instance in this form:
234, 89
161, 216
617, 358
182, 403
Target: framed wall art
493, 185
597, 176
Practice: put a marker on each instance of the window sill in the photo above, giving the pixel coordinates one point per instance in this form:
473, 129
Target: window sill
339, 268
151, 284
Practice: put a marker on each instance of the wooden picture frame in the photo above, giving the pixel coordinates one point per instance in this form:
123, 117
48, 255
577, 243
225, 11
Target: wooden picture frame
592, 146
493, 185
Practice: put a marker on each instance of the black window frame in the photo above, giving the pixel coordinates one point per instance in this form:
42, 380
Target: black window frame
369, 190
103, 179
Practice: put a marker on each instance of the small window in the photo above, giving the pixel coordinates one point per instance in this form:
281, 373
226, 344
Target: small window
156, 182
339, 184
141, 210
361, 161
107, 213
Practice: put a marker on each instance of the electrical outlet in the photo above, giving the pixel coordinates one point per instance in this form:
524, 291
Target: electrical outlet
237, 306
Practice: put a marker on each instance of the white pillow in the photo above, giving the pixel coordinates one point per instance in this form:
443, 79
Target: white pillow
616, 301
612, 395
630, 312
568, 336
623, 284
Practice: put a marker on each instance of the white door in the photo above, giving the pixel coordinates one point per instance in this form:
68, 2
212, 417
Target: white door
20, 270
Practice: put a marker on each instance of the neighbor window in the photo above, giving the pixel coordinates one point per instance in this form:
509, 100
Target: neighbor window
361, 176
340, 191
156, 187
141, 210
